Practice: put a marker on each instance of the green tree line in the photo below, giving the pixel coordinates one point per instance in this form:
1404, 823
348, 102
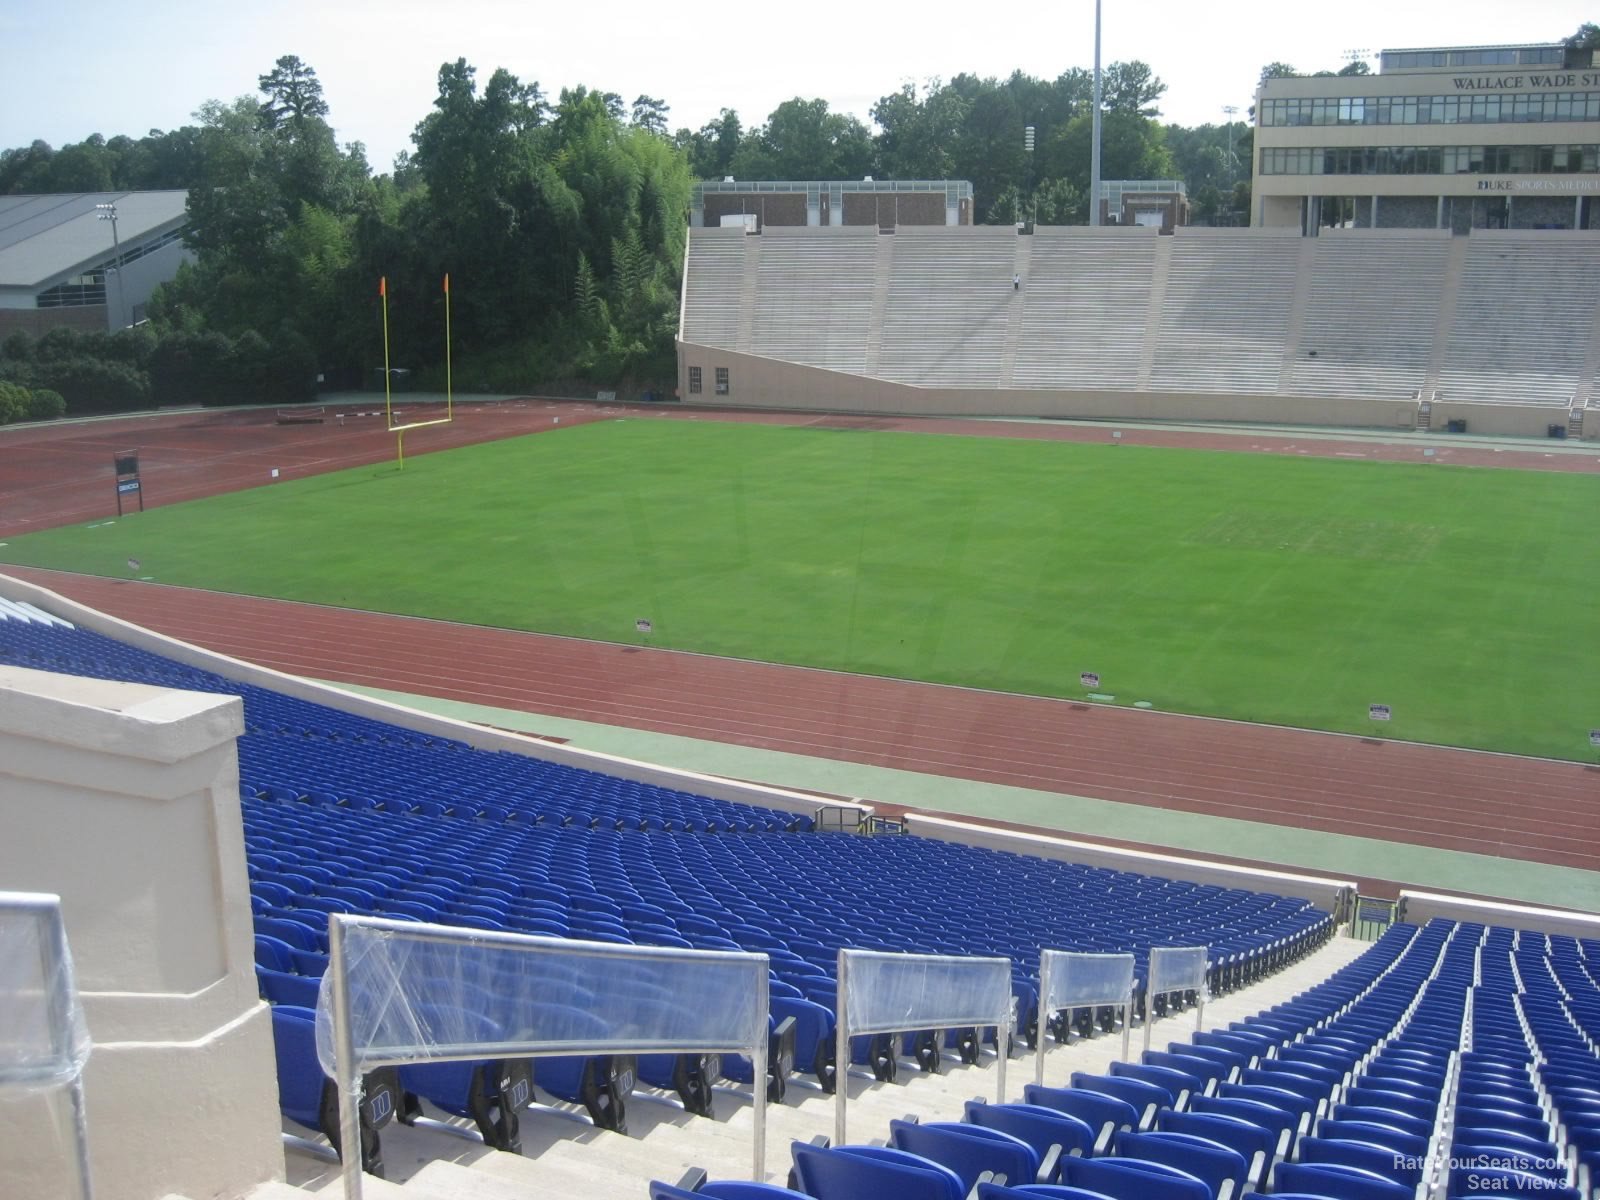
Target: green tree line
560, 220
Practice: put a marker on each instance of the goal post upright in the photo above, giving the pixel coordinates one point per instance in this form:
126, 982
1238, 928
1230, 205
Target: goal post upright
388, 391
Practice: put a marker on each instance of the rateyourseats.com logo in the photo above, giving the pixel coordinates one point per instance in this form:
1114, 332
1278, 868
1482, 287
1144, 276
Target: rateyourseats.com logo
1527, 1165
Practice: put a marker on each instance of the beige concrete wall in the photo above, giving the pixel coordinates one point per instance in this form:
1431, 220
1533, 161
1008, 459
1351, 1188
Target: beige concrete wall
757, 382
124, 800
1420, 907
1332, 895
1517, 420
380, 710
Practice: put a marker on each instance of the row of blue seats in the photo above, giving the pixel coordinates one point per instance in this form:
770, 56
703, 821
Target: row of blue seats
294, 745
1349, 1092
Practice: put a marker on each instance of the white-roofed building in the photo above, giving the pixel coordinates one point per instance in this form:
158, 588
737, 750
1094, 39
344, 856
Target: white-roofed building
65, 262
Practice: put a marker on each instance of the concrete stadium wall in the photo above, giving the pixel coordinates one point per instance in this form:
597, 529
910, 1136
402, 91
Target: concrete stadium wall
123, 799
1332, 895
381, 710
1420, 907
756, 382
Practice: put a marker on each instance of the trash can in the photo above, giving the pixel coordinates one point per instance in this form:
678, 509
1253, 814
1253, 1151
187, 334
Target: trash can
1458, 425
1559, 432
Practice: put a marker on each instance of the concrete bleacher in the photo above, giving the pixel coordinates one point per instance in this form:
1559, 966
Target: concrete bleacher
712, 281
1524, 318
1226, 315
1354, 327
814, 296
1085, 307
1371, 311
950, 302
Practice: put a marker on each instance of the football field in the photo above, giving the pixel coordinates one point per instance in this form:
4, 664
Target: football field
1265, 588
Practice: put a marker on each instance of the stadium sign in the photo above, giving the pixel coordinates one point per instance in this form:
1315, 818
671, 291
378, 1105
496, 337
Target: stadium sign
126, 465
1089, 679
1379, 712
1594, 737
1512, 83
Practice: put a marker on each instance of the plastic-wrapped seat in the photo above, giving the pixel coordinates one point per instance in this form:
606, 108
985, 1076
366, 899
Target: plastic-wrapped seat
309, 1098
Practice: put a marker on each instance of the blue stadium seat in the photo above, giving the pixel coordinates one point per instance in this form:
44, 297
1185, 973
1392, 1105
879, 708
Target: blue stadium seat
309, 1098
871, 1173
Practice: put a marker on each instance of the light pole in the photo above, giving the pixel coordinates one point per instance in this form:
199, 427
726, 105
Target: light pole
1094, 144
108, 212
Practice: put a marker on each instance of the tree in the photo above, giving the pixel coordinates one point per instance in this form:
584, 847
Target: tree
1276, 70
294, 94
803, 140
650, 115
1132, 87
917, 135
1356, 66
711, 148
1586, 38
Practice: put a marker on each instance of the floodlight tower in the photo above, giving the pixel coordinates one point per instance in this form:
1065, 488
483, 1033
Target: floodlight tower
1231, 111
108, 212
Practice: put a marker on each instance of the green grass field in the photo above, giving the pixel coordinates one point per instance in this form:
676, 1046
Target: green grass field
1264, 588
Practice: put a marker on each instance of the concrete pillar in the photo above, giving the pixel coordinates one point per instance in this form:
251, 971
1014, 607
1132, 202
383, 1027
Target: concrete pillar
124, 800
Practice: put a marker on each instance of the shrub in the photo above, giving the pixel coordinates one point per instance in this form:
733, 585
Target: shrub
13, 402
93, 385
46, 405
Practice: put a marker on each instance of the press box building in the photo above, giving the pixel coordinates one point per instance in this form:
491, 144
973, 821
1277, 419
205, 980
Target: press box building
1459, 138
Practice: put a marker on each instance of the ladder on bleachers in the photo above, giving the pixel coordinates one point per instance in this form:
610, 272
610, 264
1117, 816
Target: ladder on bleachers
1575, 422
1424, 416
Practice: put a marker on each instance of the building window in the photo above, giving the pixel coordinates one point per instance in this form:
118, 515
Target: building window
722, 381
694, 381
81, 291
1431, 160
1490, 108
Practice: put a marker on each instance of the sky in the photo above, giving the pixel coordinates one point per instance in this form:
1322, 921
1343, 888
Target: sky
76, 67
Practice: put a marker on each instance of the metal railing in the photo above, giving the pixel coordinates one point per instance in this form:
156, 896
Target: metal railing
43, 1041
882, 992
388, 982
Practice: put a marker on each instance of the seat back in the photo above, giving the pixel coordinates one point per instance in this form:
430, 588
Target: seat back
1222, 1170
1104, 1114
1147, 1099
871, 1173
968, 1150
1040, 1127
1337, 1182
1132, 1179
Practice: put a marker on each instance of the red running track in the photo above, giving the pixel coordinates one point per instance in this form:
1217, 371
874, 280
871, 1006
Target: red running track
1533, 809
